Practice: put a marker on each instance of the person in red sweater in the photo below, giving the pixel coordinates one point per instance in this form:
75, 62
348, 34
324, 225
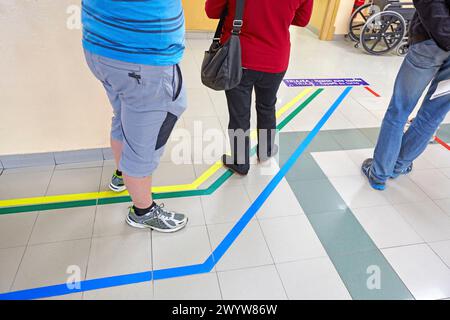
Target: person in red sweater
266, 46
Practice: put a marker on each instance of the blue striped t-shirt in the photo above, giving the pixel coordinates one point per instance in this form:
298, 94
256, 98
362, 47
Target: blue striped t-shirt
147, 32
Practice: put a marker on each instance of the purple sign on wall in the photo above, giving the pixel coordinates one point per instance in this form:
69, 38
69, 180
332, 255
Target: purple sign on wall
345, 82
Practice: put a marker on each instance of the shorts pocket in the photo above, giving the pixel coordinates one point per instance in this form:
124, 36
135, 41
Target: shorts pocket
165, 130
177, 83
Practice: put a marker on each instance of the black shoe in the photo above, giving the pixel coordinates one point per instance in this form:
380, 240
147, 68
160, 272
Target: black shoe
266, 156
241, 169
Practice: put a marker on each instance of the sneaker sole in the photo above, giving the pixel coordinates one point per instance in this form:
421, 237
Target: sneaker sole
144, 226
117, 189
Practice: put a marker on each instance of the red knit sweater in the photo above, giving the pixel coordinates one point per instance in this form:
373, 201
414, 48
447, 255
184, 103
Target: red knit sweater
265, 37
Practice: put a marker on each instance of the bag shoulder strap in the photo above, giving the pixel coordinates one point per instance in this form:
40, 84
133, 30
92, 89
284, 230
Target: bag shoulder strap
237, 22
239, 15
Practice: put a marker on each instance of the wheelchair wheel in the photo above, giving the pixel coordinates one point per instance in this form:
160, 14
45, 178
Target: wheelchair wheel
402, 49
359, 19
383, 32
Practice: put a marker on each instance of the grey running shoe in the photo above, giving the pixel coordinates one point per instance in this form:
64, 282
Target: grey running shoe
158, 219
117, 184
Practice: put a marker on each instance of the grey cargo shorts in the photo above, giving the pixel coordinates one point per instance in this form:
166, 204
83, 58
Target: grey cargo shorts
147, 101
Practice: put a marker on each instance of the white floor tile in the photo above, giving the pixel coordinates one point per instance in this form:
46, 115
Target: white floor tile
404, 190
442, 249
64, 224
197, 287
359, 116
433, 182
424, 274
444, 204
9, 263
186, 247
249, 249
314, 279
282, 202
427, 219
357, 193
336, 163
36, 270
262, 283
438, 156
111, 256
291, 238
386, 226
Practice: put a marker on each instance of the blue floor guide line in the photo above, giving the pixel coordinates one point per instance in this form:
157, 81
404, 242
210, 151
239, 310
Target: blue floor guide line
210, 262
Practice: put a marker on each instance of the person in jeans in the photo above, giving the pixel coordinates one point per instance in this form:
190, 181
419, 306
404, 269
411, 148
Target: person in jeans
427, 61
133, 48
265, 42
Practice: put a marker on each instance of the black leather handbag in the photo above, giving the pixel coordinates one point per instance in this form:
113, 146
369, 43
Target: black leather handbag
222, 64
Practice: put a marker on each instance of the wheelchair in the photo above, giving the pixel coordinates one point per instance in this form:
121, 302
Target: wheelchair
381, 26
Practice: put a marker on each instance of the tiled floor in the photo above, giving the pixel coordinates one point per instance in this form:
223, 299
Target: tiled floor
322, 234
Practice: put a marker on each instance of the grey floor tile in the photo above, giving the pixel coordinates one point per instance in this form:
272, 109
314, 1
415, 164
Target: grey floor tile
249, 249
186, 247
36, 271
118, 255
64, 224
311, 194
304, 169
110, 220
197, 287
219, 209
9, 263
371, 133
75, 181
262, 283
368, 276
191, 206
139, 291
352, 139
341, 233
78, 156
324, 141
24, 183
15, 229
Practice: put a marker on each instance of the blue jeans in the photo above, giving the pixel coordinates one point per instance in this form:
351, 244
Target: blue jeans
395, 150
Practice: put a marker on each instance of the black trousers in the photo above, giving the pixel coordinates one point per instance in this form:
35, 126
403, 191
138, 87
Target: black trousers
239, 100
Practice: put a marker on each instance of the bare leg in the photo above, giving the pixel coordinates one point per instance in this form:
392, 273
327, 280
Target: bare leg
117, 147
140, 190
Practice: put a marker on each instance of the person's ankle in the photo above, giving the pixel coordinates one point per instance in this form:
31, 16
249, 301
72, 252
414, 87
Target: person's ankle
143, 210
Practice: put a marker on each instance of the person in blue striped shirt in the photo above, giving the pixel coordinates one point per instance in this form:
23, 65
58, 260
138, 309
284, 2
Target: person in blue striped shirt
134, 48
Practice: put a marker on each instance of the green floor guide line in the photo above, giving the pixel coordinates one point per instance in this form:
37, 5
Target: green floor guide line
166, 195
355, 256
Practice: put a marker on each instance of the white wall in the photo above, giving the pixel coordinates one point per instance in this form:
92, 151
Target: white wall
343, 16
49, 101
